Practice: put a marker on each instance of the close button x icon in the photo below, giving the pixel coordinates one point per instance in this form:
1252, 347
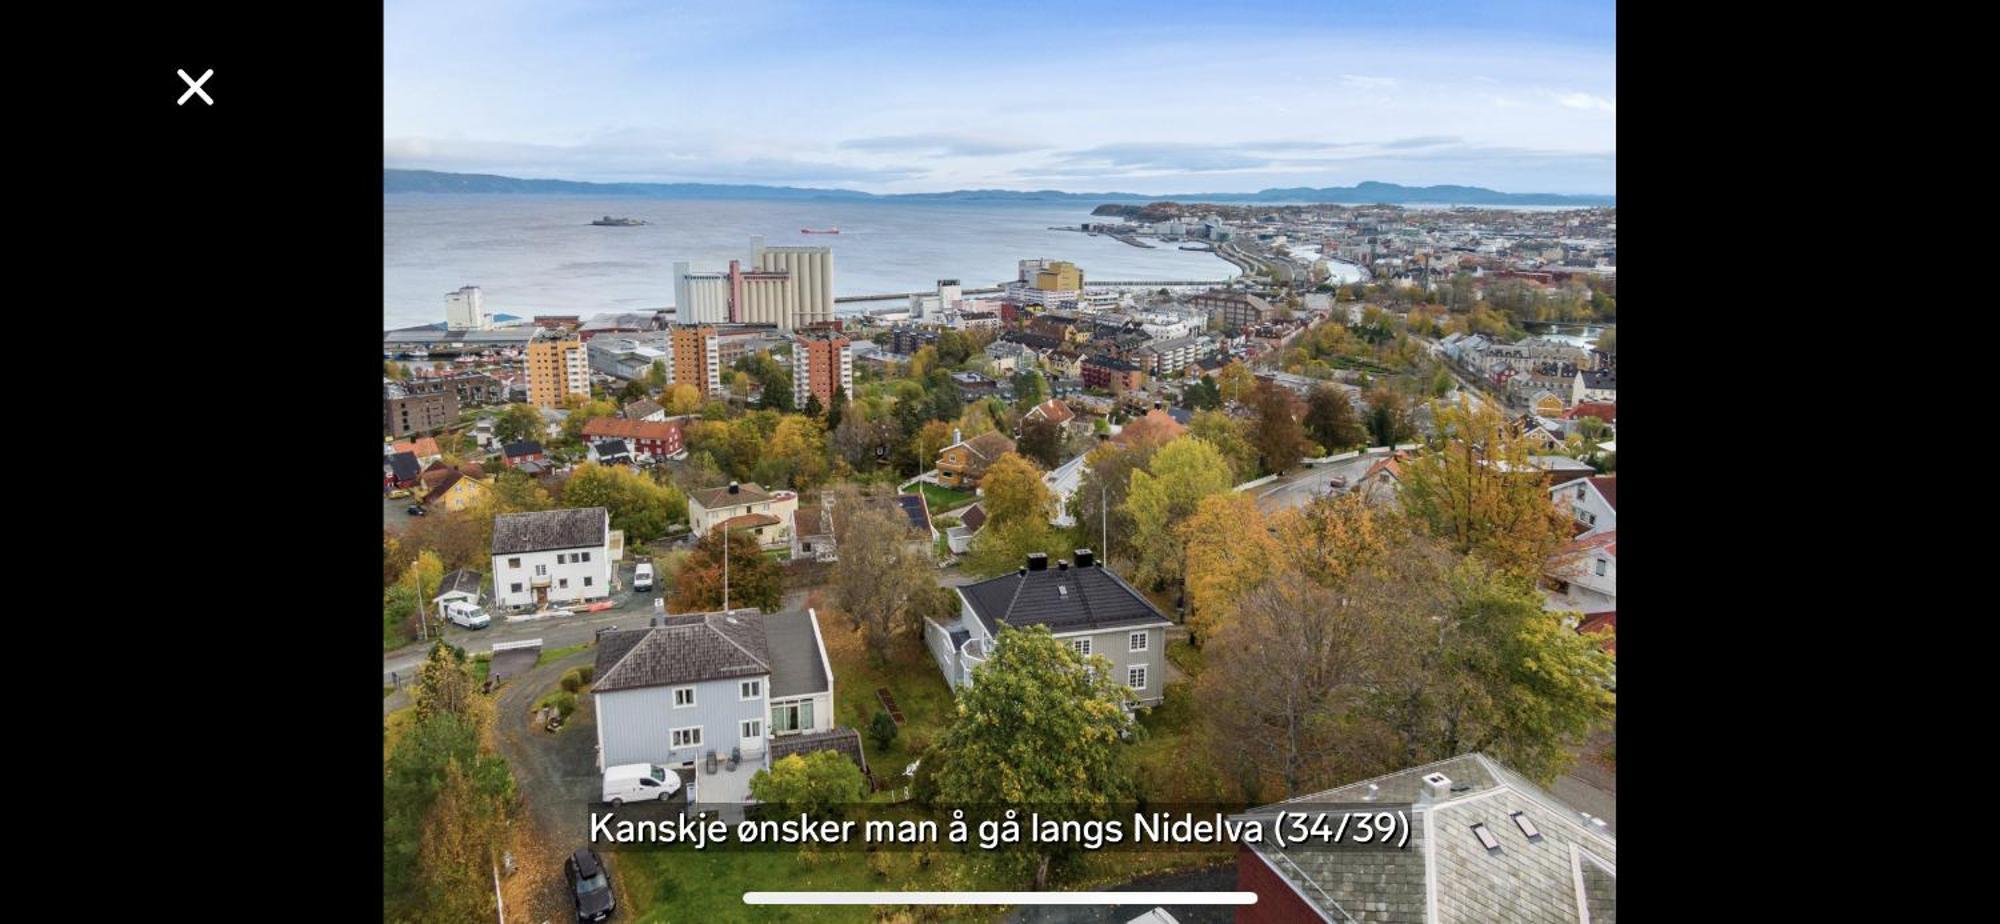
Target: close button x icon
194, 87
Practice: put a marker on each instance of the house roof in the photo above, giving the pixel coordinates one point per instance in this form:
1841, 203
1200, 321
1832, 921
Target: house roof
748, 492
984, 448
974, 517
1606, 411
689, 648
611, 448
796, 666
463, 580
1607, 485
806, 522
842, 740
643, 408
520, 448
1598, 622
441, 485
1072, 600
750, 521
1566, 872
404, 466
1052, 410
422, 446
917, 509
543, 530
620, 428
1607, 540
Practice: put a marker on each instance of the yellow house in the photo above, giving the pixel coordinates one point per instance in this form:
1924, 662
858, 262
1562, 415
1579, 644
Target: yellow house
456, 490
1548, 405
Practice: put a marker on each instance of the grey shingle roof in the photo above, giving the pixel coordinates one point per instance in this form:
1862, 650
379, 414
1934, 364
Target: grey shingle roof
642, 408
464, 580
690, 648
1529, 880
1076, 600
796, 668
844, 740
540, 531
748, 492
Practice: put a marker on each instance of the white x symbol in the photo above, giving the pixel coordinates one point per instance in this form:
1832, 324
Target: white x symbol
194, 87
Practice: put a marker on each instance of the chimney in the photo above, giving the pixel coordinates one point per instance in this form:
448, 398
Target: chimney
956, 436
735, 488
1084, 558
1437, 787
1038, 561
1062, 565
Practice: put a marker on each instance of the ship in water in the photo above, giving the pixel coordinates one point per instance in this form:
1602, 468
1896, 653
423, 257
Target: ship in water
819, 230
610, 222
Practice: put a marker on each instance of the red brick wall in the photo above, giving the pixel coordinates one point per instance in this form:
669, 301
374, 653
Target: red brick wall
1276, 902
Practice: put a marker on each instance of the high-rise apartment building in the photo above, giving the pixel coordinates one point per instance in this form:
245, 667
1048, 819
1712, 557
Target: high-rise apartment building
465, 309
558, 369
700, 298
821, 362
695, 360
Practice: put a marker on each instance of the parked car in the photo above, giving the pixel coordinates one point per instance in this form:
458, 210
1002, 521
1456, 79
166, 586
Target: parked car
415, 510
461, 613
589, 886
399, 493
638, 782
642, 577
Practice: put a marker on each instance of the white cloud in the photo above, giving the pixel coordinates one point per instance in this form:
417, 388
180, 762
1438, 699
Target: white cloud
1360, 82
1588, 102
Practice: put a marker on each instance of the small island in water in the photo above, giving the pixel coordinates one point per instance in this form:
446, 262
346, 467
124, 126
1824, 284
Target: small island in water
610, 222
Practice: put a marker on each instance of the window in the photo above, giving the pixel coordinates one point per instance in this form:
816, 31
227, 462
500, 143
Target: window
541, 570
514, 587
750, 689
1600, 567
1138, 641
513, 563
1135, 677
562, 583
1081, 646
753, 728
683, 697
560, 558
586, 556
1579, 492
586, 582
794, 716
687, 737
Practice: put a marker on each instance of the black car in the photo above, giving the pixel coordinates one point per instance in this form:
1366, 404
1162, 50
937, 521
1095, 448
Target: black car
589, 885
415, 510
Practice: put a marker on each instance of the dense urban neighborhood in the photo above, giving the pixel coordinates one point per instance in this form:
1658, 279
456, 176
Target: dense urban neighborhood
1341, 528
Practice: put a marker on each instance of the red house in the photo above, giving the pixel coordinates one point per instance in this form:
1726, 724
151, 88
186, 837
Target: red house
656, 438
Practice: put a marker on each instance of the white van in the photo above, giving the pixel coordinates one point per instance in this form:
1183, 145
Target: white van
469, 615
639, 782
642, 577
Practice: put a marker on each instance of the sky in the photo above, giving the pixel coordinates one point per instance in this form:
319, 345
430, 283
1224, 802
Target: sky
1081, 96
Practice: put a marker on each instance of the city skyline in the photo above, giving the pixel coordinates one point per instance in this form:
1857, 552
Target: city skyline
893, 97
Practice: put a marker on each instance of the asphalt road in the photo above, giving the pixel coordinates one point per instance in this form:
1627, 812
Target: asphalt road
1299, 488
628, 609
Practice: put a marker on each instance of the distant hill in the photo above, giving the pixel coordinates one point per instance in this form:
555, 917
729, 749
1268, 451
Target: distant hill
430, 181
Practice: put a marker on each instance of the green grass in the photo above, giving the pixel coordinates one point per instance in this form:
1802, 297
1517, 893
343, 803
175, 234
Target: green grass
556, 654
386, 691
912, 678
1185, 656
482, 666
684, 885
942, 498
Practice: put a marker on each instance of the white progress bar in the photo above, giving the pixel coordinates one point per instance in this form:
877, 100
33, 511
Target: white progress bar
1000, 898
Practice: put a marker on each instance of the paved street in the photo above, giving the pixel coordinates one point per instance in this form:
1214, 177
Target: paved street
1299, 488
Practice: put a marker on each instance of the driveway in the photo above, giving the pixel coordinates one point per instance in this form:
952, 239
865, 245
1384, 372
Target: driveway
1300, 487
555, 777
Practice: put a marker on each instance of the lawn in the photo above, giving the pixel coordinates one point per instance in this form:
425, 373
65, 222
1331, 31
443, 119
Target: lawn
681, 885
556, 654
942, 498
912, 678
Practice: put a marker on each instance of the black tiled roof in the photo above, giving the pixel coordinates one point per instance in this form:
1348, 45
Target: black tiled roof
1075, 600
690, 648
796, 668
543, 530
404, 466
522, 448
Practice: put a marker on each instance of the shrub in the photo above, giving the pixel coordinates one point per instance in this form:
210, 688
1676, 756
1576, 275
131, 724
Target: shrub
587, 673
883, 730
565, 704
572, 682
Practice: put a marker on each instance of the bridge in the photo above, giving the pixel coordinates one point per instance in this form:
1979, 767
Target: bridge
1094, 284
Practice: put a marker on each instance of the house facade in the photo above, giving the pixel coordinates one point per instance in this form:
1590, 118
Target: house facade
1584, 577
1081, 603
963, 463
1593, 501
552, 556
658, 439
766, 515
699, 685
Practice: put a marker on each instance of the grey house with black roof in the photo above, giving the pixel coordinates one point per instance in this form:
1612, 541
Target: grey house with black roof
1080, 602
691, 685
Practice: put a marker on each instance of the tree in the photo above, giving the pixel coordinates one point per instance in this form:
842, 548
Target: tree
1002, 548
754, 579
1235, 381
1389, 422
930, 440
1037, 729
682, 398
1230, 437
1230, 550
1014, 490
455, 863
1041, 440
1099, 502
1166, 493
819, 785
640, 506
882, 730
1475, 487
656, 375
443, 686
795, 455
863, 442
1608, 341
1029, 389
883, 582
836, 411
412, 775
631, 391
1204, 395
1331, 421
813, 408
515, 491
518, 422
1276, 434
581, 416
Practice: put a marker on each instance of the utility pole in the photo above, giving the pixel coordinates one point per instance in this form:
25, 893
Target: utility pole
725, 567
1104, 520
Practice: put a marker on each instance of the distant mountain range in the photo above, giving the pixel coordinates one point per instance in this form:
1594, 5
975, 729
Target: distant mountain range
430, 181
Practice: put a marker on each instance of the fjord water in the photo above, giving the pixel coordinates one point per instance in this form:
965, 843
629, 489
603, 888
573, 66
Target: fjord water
540, 255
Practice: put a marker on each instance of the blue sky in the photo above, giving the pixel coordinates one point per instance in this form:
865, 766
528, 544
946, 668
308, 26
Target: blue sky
1083, 96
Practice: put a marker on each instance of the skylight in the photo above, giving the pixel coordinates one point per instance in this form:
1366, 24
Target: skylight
1527, 826
1486, 838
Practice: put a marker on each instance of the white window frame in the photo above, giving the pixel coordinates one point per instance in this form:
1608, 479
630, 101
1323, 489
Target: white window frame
1138, 641
690, 704
1144, 673
747, 731
674, 737
744, 694
1081, 646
